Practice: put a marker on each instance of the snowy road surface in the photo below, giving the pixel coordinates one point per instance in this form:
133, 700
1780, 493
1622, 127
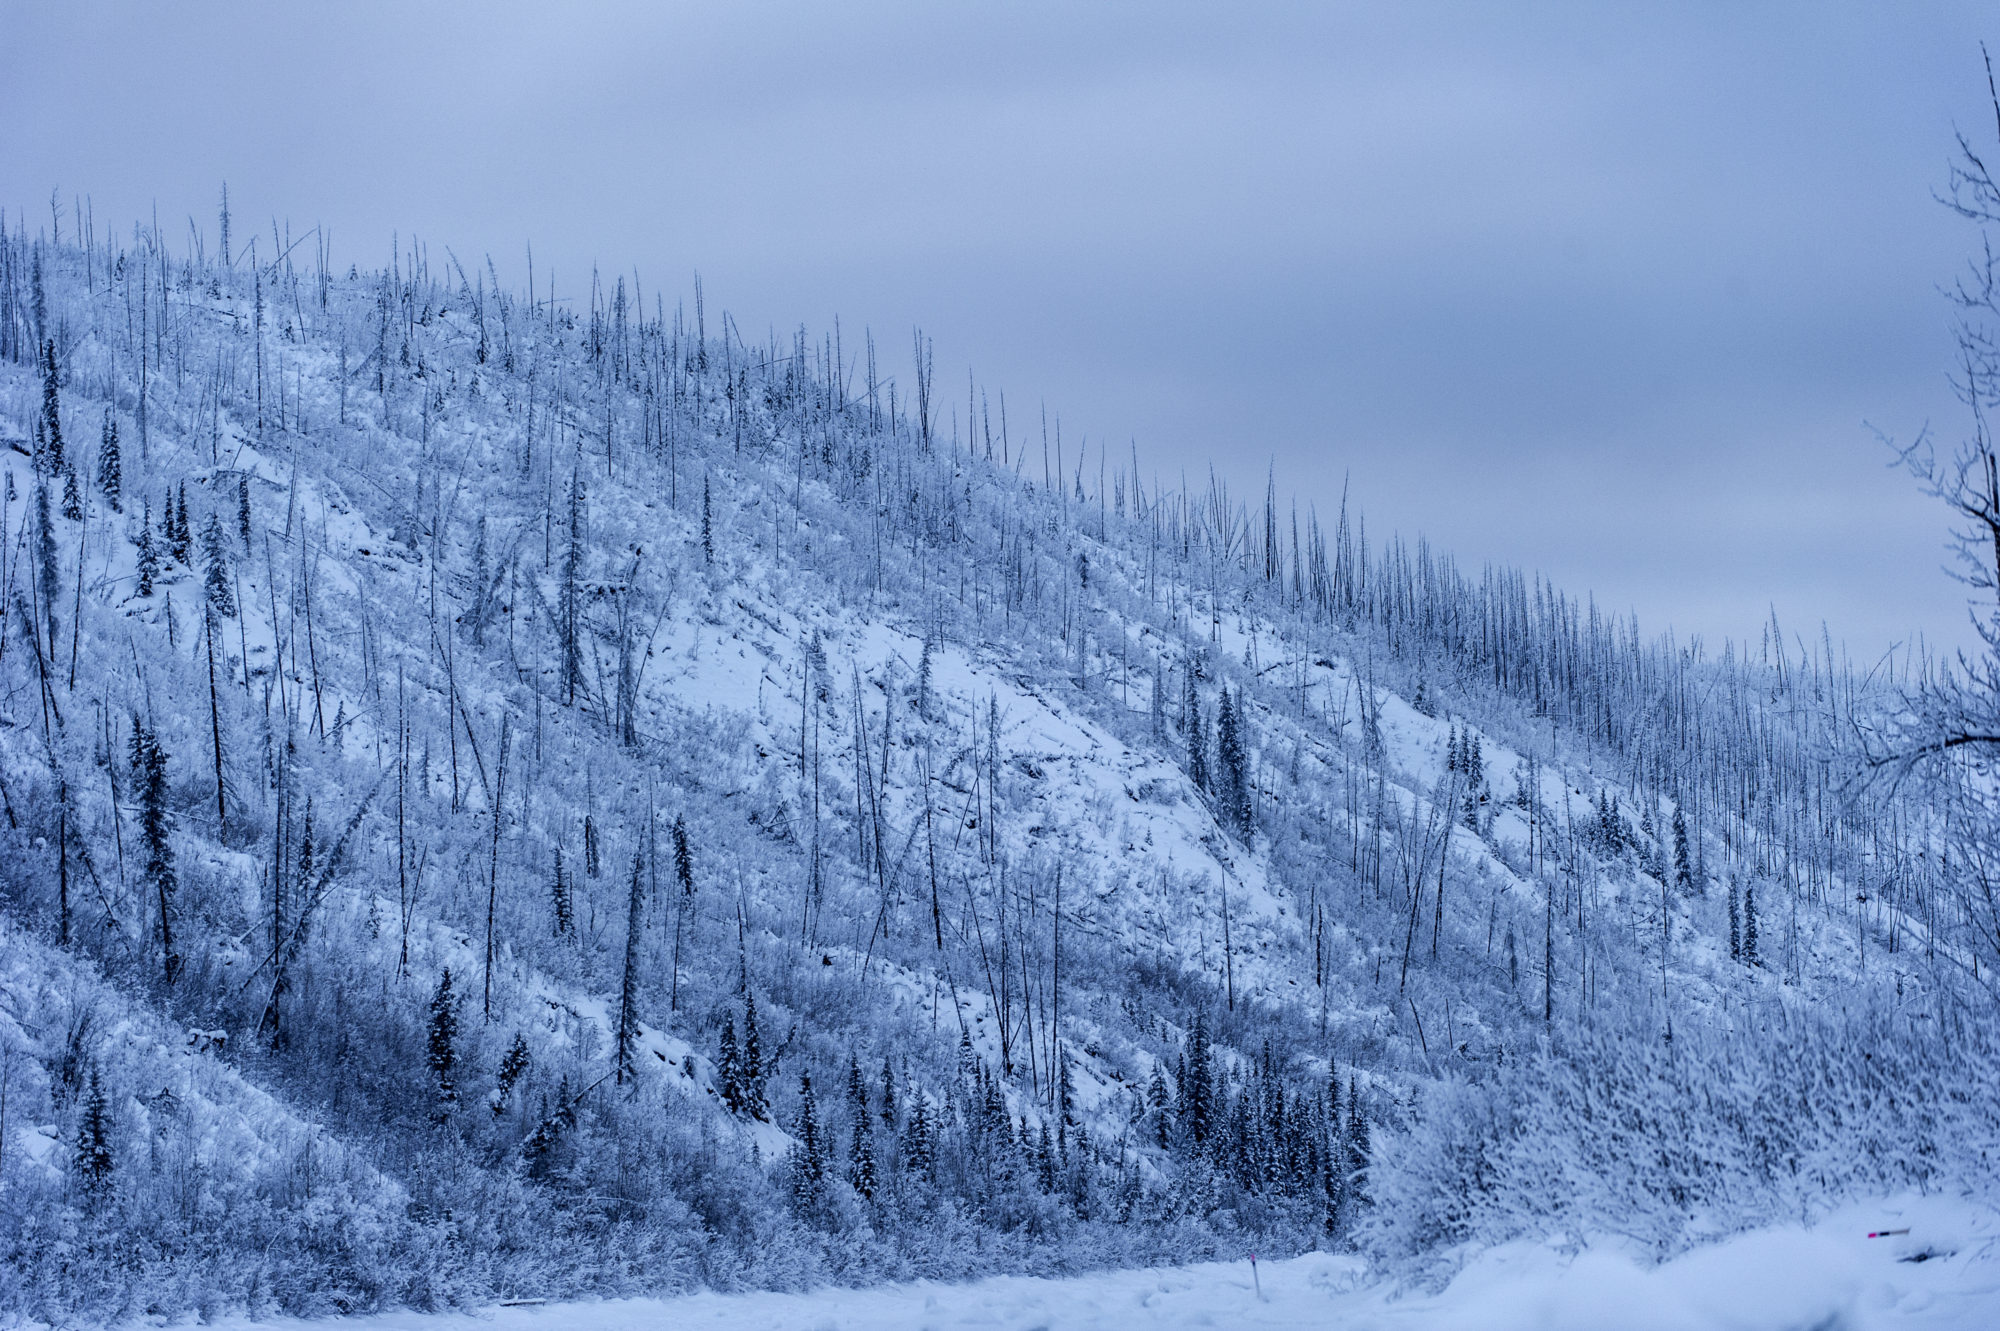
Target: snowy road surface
1786, 1278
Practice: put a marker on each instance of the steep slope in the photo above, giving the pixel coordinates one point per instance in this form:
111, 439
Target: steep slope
664, 816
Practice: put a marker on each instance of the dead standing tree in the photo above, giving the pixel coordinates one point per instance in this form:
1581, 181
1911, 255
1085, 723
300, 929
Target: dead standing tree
1947, 729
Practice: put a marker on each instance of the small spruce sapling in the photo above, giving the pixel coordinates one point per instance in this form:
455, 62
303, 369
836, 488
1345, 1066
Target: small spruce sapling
215, 558
110, 469
729, 1068
683, 857
562, 920
49, 458
707, 526
624, 1063
93, 1158
514, 1065
1684, 879
809, 1156
149, 552
48, 569
1735, 923
441, 1047
149, 774
1750, 925
754, 1070
183, 534
1197, 740
861, 1162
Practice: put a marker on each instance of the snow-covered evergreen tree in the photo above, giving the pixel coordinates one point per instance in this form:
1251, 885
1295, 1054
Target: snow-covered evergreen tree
92, 1157
49, 458
441, 1047
110, 465
221, 598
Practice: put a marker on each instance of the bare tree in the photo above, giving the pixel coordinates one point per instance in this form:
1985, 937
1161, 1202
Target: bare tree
1946, 731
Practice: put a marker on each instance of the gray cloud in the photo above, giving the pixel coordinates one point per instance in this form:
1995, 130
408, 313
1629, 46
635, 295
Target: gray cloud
1605, 290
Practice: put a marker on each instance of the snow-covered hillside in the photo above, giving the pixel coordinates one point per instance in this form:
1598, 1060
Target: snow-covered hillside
518, 797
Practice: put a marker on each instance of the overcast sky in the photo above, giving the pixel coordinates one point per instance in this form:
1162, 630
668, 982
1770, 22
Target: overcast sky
1608, 291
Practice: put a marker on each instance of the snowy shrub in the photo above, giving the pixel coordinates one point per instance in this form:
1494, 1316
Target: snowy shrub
1615, 1131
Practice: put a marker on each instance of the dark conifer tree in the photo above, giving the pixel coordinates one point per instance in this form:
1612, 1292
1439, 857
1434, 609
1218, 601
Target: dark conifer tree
302, 880
683, 857
1610, 823
1735, 923
538, 1151
1683, 866
38, 305
707, 526
183, 537
1197, 1088
919, 1144
969, 1066
110, 467
888, 1095
861, 1171
441, 1047
243, 509
72, 500
1333, 1178
1232, 763
1750, 924
562, 919
857, 1089
570, 607
729, 1068
48, 567
1159, 1102
149, 775
215, 559
93, 1159
513, 1066
1197, 740
1065, 1088
809, 1157
628, 989
49, 458
149, 552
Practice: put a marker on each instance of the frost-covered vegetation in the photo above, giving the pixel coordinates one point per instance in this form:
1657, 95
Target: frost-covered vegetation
563, 798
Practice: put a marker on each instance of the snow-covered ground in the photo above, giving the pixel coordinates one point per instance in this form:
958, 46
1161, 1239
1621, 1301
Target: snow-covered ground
1944, 1275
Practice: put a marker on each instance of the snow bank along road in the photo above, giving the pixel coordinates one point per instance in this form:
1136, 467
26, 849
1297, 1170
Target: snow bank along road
1943, 1273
